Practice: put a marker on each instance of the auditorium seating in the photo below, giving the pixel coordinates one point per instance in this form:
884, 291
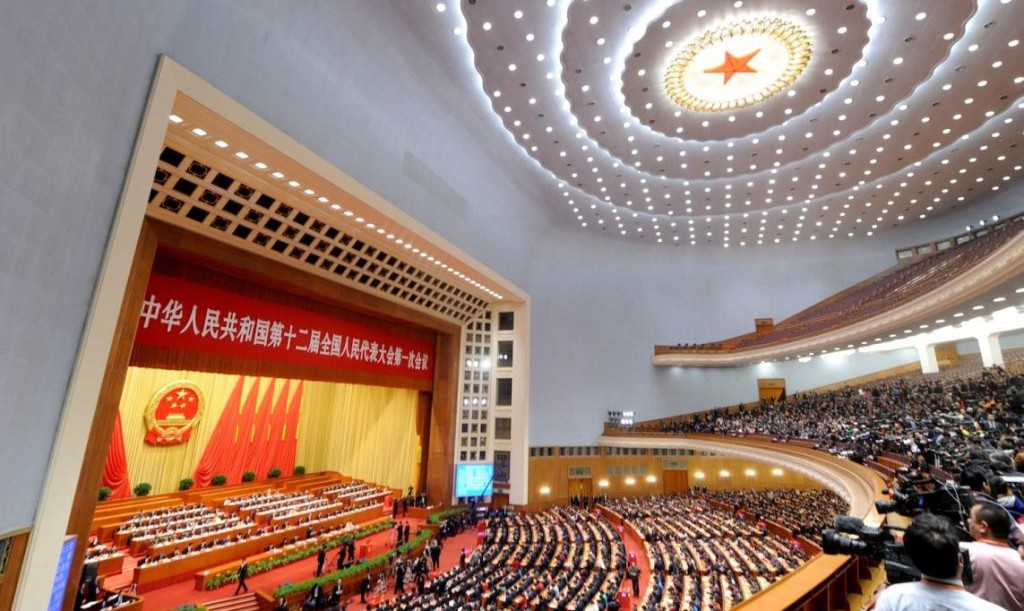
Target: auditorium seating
563, 558
876, 295
176, 536
802, 512
703, 557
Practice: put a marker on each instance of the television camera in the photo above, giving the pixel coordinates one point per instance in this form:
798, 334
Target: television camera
915, 493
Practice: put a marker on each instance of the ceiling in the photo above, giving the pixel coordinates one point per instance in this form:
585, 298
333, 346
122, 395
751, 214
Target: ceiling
799, 120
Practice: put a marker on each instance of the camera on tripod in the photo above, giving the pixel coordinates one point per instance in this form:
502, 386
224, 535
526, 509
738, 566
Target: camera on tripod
914, 494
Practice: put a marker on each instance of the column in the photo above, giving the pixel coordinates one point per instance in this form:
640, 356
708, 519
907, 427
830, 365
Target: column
926, 354
991, 353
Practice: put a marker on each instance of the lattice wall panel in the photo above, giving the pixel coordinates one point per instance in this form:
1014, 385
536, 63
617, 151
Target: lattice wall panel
194, 195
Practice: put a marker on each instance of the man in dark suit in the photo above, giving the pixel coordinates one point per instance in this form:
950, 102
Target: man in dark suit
243, 574
321, 558
364, 587
400, 578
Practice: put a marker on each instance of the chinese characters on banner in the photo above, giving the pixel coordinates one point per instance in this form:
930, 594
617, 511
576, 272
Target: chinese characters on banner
190, 316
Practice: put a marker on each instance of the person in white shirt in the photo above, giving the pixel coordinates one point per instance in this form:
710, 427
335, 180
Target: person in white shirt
997, 568
935, 551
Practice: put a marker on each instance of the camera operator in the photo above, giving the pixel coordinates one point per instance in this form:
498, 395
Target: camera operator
934, 549
997, 568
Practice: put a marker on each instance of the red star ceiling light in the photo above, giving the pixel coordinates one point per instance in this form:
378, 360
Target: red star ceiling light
782, 49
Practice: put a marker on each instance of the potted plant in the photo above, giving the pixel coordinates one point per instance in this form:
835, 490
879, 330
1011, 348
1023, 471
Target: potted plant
275, 472
104, 493
142, 489
248, 476
219, 479
185, 484
299, 470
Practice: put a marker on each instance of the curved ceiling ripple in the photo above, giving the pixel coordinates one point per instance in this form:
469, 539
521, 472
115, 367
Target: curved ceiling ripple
899, 112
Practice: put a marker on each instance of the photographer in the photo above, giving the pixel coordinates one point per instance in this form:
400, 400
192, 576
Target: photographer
997, 568
933, 547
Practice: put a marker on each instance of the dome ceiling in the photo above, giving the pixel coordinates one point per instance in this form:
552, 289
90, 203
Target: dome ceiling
751, 123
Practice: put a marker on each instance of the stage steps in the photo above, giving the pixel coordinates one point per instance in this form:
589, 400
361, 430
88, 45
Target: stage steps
245, 602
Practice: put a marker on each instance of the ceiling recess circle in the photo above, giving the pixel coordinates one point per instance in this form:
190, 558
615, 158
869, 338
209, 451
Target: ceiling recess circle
738, 64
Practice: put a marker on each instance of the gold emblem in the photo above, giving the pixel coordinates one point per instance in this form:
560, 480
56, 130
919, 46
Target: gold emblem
172, 413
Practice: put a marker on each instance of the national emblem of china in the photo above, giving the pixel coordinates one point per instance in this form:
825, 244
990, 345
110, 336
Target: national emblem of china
172, 413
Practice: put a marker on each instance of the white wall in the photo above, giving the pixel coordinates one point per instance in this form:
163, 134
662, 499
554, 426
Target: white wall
75, 80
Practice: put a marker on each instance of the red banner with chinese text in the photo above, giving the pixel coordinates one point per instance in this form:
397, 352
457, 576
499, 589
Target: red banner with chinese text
194, 317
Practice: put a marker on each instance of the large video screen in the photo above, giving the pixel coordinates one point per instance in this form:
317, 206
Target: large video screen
474, 479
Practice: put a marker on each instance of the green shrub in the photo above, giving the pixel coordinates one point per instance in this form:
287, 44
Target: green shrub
185, 484
437, 516
219, 480
275, 472
299, 470
104, 493
142, 489
272, 563
355, 569
248, 476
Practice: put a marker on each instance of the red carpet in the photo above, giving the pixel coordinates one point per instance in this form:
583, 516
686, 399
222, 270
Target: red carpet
173, 596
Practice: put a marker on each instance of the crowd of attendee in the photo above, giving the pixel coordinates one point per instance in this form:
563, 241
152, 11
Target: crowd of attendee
803, 512
926, 423
704, 558
563, 558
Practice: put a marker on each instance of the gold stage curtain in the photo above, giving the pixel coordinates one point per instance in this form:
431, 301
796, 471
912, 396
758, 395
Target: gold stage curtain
368, 432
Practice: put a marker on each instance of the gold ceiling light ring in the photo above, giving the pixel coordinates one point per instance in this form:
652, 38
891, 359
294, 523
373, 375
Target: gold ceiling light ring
738, 65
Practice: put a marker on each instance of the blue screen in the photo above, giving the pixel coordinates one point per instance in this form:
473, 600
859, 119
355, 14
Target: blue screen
474, 480
60, 581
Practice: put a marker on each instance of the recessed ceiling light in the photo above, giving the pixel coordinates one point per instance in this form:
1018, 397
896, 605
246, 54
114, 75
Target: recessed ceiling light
242, 155
199, 131
175, 119
221, 144
440, 7
259, 165
487, 26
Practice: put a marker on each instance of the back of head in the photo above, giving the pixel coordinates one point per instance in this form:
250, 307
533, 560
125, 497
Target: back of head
933, 546
995, 516
974, 477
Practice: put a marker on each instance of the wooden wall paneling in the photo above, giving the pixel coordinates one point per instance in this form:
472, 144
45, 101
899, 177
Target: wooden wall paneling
676, 481
423, 405
15, 558
553, 472
102, 426
441, 448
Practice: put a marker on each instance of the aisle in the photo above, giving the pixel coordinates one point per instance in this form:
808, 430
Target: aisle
450, 553
635, 546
